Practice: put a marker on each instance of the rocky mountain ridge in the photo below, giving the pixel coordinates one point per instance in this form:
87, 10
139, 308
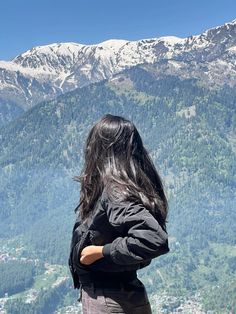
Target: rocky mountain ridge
44, 72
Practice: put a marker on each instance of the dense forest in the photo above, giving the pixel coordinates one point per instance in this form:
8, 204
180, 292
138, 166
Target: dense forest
189, 131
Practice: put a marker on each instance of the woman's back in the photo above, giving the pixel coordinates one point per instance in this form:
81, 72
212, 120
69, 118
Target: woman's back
121, 226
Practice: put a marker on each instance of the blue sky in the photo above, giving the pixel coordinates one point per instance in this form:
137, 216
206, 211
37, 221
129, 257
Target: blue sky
28, 23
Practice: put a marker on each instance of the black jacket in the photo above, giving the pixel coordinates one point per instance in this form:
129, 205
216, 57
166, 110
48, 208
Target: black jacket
130, 234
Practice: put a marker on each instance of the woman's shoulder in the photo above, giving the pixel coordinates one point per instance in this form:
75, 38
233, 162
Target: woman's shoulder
117, 204
115, 195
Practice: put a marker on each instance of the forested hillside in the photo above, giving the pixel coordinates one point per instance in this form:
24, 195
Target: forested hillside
188, 129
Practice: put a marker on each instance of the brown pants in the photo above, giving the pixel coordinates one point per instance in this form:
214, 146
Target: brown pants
129, 299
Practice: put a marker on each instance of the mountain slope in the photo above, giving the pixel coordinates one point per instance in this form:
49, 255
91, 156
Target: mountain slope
188, 117
188, 130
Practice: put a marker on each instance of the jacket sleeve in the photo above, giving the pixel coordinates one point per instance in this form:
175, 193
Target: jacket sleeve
144, 238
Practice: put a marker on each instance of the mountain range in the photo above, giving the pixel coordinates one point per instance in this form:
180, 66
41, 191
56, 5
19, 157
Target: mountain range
44, 72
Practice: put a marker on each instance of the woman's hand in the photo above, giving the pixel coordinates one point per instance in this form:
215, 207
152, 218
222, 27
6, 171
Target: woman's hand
90, 254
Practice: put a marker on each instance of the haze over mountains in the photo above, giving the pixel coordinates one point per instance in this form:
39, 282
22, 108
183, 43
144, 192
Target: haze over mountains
181, 94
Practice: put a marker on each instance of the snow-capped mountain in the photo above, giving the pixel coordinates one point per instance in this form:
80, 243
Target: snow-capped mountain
43, 72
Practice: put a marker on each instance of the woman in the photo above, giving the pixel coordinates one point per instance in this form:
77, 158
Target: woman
123, 210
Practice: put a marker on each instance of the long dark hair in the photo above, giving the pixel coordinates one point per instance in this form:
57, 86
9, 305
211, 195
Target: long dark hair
116, 159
